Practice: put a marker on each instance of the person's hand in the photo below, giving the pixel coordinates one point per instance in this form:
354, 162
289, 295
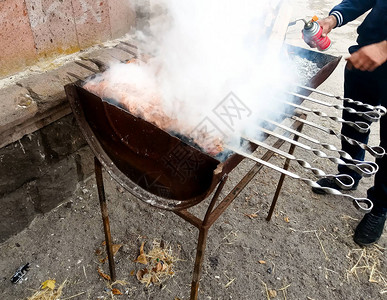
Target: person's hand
327, 24
368, 58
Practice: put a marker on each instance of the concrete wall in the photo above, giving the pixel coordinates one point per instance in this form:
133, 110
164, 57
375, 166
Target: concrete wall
36, 29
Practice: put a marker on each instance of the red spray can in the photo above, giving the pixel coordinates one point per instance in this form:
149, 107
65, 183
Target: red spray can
312, 35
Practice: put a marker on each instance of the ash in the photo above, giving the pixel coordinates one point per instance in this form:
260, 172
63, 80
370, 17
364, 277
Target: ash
305, 69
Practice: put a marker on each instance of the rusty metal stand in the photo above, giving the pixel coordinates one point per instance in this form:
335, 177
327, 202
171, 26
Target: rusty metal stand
212, 213
282, 178
105, 218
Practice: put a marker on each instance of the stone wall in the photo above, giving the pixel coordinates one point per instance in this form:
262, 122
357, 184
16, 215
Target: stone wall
43, 156
32, 30
40, 171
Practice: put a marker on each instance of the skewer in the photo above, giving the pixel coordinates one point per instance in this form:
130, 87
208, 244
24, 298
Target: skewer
363, 204
340, 179
330, 147
380, 109
375, 151
362, 127
372, 116
362, 168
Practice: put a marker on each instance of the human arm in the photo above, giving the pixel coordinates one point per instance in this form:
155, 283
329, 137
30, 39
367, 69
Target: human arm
346, 11
349, 10
368, 58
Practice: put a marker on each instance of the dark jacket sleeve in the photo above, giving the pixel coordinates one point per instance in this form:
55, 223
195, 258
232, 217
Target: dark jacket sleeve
349, 10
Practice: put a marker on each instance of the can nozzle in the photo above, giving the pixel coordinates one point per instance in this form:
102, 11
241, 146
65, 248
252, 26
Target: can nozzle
308, 24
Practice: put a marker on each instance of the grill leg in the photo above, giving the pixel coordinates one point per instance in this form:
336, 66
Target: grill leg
105, 218
202, 240
282, 178
201, 248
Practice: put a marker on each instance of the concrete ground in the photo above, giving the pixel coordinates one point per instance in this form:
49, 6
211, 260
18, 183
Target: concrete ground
305, 252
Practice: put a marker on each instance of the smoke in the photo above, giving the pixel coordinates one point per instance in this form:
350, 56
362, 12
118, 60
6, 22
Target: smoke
207, 56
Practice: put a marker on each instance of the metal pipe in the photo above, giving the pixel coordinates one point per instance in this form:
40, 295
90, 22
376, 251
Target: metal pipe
363, 204
380, 109
362, 168
372, 116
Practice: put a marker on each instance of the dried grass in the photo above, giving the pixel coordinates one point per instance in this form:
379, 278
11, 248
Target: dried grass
160, 265
48, 294
367, 262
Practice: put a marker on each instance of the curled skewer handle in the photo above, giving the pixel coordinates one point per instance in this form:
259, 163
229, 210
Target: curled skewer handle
330, 147
360, 126
344, 181
372, 116
381, 110
375, 151
374, 165
364, 169
363, 204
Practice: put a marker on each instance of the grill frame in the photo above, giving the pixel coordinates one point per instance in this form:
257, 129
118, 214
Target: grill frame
218, 180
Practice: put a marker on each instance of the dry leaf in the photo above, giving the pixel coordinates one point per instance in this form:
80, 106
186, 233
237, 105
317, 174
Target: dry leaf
159, 267
116, 292
49, 284
115, 249
164, 267
262, 262
272, 293
286, 219
132, 273
140, 274
103, 275
142, 257
251, 216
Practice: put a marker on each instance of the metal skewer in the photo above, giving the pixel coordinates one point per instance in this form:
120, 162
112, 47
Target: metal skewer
343, 180
330, 147
363, 169
362, 127
380, 109
372, 116
360, 203
375, 151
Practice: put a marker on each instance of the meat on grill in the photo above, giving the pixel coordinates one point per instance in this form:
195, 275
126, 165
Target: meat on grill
146, 103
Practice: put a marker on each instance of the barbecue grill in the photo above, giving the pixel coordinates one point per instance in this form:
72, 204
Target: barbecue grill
168, 173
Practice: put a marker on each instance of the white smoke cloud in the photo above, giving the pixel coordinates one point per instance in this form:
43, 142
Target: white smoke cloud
202, 51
